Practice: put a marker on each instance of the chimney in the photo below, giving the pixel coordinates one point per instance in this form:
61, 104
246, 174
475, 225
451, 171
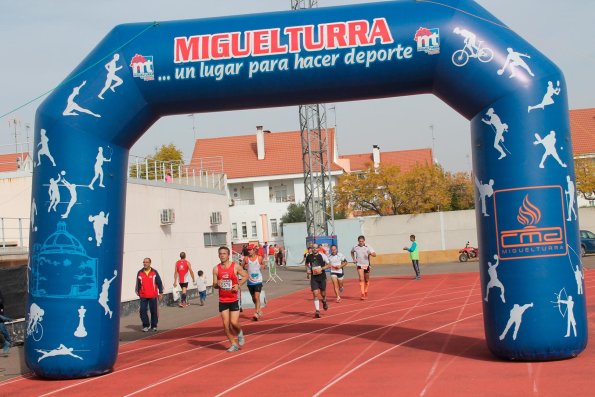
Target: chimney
260, 142
376, 155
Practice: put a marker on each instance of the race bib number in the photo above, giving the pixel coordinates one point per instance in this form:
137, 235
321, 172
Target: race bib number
226, 284
316, 269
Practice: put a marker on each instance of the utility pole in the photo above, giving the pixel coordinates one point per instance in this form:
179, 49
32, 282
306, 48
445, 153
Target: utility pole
14, 121
316, 160
435, 159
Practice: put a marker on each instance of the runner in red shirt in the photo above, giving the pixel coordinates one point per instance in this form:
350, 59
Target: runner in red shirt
225, 279
182, 272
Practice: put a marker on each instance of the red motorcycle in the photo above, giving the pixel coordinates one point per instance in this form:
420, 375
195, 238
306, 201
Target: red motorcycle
468, 252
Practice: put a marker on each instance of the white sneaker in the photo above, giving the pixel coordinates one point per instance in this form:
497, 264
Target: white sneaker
241, 339
233, 348
146, 329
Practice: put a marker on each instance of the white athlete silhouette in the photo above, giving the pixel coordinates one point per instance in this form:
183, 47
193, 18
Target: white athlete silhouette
516, 317
571, 193
569, 302
99, 160
494, 282
81, 332
111, 76
548, 98
33, 215
499, 127
513, 60
470, 39
484, 191
73, 196
579, 277
59, 351
99, 221
103, 296
54, 192
34, 321
549, 143
72, 107
44, 150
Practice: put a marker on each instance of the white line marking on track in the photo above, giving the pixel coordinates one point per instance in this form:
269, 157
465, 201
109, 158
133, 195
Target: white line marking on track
329, 385
432, 375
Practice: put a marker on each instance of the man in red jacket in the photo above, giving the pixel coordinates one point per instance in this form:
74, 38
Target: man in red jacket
149, 287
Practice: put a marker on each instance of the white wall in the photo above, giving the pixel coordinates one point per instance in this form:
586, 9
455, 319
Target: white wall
144, 235
388, 234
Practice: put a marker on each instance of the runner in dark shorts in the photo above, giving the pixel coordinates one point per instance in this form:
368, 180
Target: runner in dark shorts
361, 254
225, 279
318, 263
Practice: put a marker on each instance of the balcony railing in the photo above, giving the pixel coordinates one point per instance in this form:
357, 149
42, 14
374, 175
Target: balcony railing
14, 236
242, 202
178, 173
283, 199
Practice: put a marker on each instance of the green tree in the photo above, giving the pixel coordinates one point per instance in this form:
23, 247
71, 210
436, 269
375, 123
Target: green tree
425, 190
461, 191
296, 212
387, 190
584, 169
358, 192
168, 153
167, 158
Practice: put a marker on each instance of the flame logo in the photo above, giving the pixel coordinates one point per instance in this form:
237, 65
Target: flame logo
529, 214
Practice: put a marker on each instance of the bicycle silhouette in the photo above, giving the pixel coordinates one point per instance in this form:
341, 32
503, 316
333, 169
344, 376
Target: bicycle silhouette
35, 331
461, 57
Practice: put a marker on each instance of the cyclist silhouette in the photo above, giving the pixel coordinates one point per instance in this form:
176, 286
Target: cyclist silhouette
472, 49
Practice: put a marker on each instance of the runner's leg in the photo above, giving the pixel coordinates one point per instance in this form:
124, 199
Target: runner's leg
360, 272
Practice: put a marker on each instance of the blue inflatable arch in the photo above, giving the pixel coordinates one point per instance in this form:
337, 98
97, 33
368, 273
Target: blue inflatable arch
514, 97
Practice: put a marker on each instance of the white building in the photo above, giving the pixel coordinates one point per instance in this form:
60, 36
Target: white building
265, 174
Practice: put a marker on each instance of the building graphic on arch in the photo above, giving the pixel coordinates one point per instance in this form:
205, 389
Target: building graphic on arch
61, 268
428, 40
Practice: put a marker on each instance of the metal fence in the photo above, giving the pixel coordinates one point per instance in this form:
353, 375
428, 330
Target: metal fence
14, 236
208, 174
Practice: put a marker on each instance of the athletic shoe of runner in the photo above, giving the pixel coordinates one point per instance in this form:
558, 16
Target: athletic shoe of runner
233, 348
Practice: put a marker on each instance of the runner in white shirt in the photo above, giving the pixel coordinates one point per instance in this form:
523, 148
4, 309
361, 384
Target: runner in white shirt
338, 262
360, 255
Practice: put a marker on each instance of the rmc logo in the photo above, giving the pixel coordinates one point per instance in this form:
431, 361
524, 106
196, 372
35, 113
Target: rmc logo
535, 227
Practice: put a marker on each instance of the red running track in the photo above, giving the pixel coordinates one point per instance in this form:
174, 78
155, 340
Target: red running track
410, 338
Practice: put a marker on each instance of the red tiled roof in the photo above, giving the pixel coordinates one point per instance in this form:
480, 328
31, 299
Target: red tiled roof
582, 130
8, 162
283, 154
405, 159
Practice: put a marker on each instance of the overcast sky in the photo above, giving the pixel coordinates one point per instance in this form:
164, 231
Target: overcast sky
42, 41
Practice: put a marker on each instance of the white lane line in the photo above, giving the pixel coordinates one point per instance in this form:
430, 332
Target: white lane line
329, 385
167, 379
389, 326
223, 341
432, 375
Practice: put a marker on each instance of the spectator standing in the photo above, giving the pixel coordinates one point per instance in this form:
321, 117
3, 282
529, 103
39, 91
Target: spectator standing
414, 255
5, 340
201, 283
149, 288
